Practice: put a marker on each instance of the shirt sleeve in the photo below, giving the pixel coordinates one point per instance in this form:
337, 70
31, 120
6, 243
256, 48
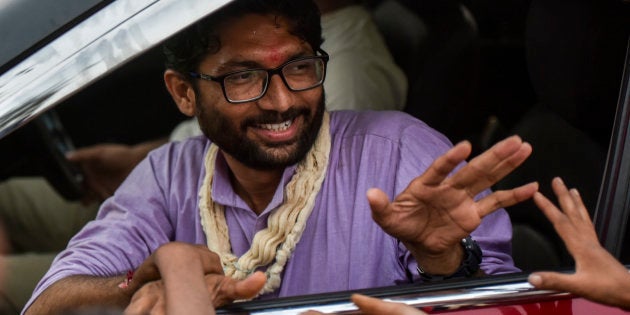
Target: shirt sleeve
129, 226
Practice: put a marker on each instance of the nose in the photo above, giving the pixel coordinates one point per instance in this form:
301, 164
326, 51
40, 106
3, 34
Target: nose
278, 97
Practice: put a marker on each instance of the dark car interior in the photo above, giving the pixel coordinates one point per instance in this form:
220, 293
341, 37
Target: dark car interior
480, 70
547, 70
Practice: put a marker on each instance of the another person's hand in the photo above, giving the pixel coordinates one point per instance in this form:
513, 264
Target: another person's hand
106, 166
436, 210
182, 278
373, 306
598, 275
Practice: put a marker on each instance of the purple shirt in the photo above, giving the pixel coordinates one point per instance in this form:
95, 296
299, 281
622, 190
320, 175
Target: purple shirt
341, 248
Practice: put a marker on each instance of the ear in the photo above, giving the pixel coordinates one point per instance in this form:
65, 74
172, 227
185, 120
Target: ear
182, 92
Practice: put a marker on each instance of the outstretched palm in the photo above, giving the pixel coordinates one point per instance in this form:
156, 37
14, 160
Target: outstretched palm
437, 210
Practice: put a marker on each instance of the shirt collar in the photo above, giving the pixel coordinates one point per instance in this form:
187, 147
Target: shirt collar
222, 192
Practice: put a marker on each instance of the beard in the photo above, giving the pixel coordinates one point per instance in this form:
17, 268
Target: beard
232, 139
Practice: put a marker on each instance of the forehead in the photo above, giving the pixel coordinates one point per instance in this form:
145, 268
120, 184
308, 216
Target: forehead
263, 39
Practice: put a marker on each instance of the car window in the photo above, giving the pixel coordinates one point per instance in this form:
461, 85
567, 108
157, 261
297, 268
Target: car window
499, 70
478, 70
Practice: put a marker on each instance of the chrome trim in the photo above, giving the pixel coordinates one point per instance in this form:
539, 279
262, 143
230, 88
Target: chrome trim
95, 47
439, 300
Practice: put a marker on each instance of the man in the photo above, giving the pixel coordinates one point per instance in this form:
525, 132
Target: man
278, 184
362, 75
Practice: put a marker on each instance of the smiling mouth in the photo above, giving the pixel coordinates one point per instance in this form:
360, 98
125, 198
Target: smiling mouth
276, 127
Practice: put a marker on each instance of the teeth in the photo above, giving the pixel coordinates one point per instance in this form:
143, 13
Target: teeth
277, 127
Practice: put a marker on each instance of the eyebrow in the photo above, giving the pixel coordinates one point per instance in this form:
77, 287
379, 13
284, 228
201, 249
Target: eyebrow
235, 65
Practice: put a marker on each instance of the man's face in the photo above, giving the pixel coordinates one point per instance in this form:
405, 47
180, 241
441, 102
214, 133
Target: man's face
276, 130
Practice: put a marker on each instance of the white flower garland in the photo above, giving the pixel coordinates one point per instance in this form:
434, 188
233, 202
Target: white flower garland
284, 226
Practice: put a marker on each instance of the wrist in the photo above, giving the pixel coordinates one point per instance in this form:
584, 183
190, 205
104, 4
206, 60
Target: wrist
443, 263
466, 261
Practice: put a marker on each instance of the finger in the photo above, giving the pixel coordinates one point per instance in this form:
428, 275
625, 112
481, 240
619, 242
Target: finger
555, 281
561, 223
146, 272
228, 289
566, 201
491, 166
210, 260
140, 304
553, 214
581, 208
370, 305
505, 198
379, 201
250, 286
159, 308
446, 163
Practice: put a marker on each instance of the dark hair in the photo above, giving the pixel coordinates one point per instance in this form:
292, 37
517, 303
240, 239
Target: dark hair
185, 49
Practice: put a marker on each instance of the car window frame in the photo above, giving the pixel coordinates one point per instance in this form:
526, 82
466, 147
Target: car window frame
95, 47
613, 205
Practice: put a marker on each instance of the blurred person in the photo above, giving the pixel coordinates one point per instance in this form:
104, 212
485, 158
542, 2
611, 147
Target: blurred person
276, 181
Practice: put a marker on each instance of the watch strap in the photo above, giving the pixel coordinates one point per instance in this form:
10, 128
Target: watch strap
468, 267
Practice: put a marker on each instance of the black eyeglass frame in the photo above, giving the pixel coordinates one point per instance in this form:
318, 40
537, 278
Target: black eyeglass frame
270, 72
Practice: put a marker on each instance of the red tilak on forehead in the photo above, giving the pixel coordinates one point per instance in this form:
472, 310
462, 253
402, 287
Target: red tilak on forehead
273, 57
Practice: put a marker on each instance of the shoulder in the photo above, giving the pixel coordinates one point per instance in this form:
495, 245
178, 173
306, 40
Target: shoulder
176, 156
393, 125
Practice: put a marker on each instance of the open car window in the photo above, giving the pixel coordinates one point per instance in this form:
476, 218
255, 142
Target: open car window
555, 72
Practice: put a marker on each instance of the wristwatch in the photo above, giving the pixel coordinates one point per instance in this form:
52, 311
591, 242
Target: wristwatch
468, 267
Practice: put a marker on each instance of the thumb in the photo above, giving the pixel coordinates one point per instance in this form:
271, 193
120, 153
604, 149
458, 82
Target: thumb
552, 281
378, 201
250, 286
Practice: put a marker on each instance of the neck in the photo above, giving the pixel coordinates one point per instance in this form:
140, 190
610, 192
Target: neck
255, 187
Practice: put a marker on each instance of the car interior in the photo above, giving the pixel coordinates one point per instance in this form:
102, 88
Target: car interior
478, 70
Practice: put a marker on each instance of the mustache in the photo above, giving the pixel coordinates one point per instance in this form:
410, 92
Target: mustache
274, 117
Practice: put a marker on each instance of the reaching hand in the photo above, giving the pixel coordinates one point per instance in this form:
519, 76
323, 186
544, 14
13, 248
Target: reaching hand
436, 210
598, 275
107, 165
192, 282
373, 306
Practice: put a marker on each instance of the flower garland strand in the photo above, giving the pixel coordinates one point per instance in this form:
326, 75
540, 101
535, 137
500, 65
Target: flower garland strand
284, 226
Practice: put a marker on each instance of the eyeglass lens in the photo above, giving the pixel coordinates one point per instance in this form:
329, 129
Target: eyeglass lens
250, 84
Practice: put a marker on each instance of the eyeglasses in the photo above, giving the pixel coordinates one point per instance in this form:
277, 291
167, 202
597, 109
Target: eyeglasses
249, 85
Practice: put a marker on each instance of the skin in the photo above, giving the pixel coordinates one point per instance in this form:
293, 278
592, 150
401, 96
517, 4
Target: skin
435, 212
373, 306
266, 45
430, 216
254, 41
177, 283
598, 275
105, 166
